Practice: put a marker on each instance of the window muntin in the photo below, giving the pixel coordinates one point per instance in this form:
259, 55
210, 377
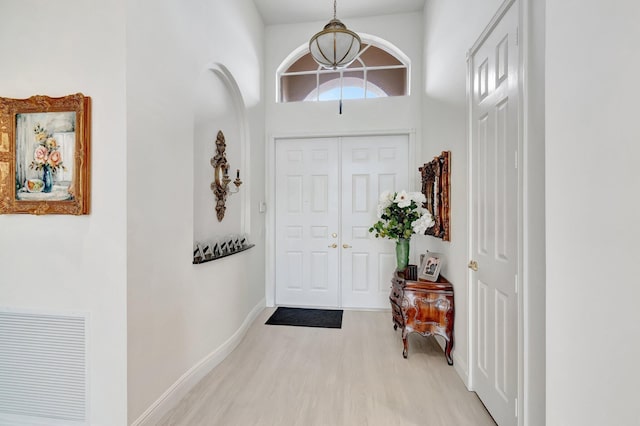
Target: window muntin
375, 73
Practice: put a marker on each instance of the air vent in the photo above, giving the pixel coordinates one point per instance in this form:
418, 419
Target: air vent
43, 373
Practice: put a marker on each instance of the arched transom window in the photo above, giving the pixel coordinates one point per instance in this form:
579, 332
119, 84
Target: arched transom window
375, 73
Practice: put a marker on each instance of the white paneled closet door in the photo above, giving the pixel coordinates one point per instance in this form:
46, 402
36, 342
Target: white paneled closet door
494, 237
327, 192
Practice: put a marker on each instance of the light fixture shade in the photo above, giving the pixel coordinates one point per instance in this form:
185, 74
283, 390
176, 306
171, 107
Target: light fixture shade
335, 47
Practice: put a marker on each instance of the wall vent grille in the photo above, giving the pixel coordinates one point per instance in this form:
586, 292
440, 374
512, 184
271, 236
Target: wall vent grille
43, 372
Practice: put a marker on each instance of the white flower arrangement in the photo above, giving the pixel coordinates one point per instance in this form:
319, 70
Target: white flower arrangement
401, 215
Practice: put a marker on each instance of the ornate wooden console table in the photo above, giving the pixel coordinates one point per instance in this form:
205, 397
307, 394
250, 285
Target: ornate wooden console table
423, 307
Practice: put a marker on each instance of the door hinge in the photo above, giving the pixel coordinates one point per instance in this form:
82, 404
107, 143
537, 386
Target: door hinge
516, 282
516, 407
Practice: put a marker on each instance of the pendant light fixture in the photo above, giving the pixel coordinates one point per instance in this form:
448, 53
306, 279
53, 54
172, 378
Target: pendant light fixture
335, 47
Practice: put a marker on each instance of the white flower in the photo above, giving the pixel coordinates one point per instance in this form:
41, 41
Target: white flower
402, 199
385, 197
381, 209
423, 223
418, 197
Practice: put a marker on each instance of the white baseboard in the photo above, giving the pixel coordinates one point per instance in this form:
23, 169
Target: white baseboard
184, 384
459, 365
461, 368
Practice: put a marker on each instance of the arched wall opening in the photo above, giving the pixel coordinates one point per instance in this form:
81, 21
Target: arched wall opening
219, 106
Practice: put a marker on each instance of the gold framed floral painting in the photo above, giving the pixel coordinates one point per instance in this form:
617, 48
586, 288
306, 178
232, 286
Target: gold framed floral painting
44, 155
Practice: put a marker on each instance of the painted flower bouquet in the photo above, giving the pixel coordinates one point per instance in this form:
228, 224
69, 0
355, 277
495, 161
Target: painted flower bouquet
46, 157
46, 154
400, 215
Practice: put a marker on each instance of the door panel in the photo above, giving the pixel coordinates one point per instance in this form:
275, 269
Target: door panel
307, 216
494, 236
370, 165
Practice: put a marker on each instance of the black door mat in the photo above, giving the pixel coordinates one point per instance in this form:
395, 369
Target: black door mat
301, 317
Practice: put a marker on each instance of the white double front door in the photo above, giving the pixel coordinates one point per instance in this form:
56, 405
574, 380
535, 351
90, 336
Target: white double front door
327, 192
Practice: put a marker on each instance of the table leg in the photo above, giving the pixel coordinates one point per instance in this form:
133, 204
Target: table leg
447, 351
405, 342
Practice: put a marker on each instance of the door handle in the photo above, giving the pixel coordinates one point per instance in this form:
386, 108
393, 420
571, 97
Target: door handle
346, 246
334, 245
334, 235
473, 265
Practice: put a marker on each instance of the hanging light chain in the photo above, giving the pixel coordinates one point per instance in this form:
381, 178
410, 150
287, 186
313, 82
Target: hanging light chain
334, 9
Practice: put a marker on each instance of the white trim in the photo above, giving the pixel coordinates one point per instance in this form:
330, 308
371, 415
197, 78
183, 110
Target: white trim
527, 318
270, 192
174, 394
458, 364
471, 336
325, 71
239, 107
341, 82
522, 166
504, 7
461, 368
270, 222
286, 63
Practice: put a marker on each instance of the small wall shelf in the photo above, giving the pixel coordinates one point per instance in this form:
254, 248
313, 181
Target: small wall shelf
204, 260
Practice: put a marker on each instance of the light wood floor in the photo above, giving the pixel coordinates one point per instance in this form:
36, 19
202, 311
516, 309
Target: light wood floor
356, 375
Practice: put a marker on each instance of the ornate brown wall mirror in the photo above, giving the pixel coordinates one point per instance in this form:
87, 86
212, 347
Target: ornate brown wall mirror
435, 187
220, 185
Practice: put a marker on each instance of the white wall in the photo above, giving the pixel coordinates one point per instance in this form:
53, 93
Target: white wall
451, 28
592, 151
179, 313
59, 48
213, 112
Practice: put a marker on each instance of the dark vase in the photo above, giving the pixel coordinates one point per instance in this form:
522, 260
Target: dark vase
402, 253
47, 177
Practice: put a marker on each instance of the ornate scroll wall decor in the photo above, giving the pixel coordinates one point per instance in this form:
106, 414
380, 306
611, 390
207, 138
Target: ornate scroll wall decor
44, 155
220, 185
435, 186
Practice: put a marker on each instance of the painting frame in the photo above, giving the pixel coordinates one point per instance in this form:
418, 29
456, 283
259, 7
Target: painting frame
436, 178
67, 118
430, 266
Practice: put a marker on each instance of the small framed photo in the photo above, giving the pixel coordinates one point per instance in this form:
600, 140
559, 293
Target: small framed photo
430, 265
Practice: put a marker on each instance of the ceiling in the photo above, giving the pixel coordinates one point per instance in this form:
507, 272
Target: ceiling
294, 11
